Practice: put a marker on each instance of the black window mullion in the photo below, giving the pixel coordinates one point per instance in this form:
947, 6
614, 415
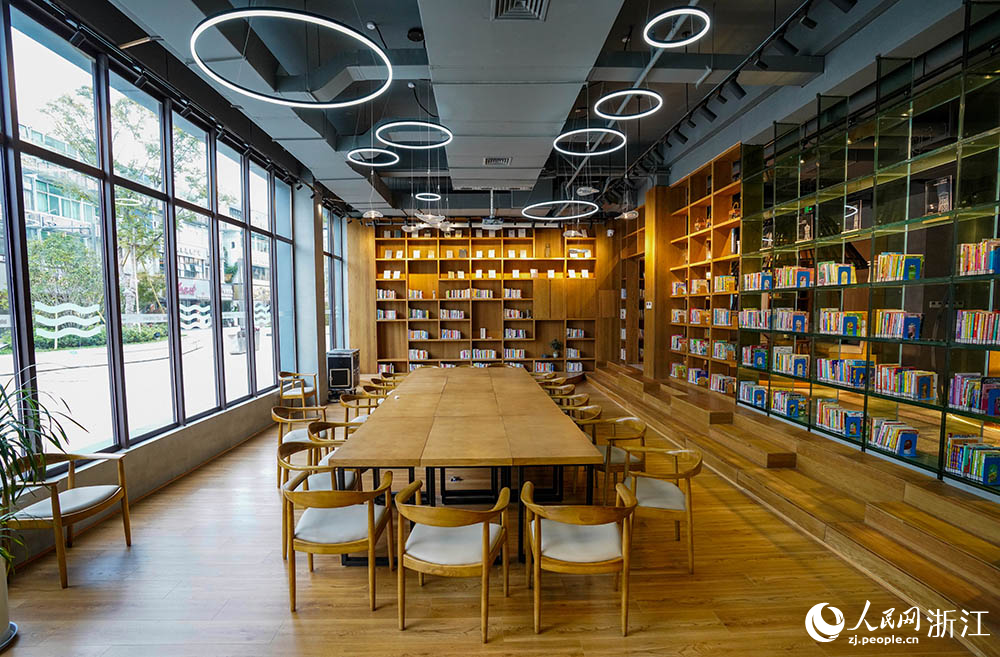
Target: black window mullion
109, 231
251, 334
170, 262
215, 258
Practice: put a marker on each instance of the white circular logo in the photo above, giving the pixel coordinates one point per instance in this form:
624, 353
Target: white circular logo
818, 628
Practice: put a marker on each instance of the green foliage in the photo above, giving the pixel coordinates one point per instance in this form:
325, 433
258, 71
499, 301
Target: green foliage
131, 334
62, 268
556, 345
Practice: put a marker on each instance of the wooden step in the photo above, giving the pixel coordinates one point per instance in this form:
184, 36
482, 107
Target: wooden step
716, 456
975, 514
952, 547
810, 504
848, 468
760, 451
918, 580
778, 431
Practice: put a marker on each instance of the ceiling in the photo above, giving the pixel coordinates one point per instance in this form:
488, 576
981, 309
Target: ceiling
505, 86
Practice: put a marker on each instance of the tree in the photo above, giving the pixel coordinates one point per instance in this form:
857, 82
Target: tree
62, 269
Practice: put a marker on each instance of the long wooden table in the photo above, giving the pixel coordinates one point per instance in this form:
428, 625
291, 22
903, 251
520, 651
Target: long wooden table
497, 417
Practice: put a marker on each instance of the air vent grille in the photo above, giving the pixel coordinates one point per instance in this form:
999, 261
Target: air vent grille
520, 10
497, 161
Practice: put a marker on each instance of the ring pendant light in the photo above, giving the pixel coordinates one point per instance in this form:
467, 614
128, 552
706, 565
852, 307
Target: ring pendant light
624, 93
693, 12
590, 205
427, 196
291, 15
351, 156
586, 131
448, 134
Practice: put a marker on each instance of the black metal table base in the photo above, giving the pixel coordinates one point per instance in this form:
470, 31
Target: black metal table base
349, 560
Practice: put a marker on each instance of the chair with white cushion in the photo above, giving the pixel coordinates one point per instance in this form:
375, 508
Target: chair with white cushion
357, 408
661, 494
296, 386
585, 540
452, 543
337, 522
60, 510
615, 433
292, 424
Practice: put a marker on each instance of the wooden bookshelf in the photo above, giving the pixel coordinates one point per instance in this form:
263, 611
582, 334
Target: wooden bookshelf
460, 296
702, 234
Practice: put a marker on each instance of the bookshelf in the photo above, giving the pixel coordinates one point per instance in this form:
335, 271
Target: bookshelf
478, 296
632, 314
901, 185
703, 236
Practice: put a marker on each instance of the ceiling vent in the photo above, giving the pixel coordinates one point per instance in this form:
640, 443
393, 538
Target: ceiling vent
520, 10
497, 161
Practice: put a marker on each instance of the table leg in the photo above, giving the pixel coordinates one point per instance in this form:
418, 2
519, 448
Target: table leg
339, 475
590, 484
429, 479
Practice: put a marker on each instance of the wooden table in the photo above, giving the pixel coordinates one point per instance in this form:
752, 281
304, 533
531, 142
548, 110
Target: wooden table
497, 417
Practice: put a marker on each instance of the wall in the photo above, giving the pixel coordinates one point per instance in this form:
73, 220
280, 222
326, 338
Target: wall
360, 255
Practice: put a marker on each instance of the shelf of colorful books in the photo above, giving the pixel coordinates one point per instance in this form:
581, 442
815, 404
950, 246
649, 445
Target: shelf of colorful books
972, 450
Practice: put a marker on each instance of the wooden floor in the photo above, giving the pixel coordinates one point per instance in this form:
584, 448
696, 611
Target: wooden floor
204, 577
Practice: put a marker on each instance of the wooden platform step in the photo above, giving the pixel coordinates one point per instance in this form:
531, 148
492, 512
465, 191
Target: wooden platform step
918, 580
775, 430
960, 551
759, 450
698, 407
977, 515
717, 456
810, 504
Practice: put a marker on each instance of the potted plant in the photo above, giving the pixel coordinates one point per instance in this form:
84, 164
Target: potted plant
27, 428
556, 347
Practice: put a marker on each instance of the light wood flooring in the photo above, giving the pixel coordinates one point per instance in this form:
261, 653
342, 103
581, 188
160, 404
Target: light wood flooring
204, 577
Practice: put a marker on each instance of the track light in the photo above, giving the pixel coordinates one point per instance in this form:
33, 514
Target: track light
844, 5
737, 90
808, 22
759, 63
785, 46
78, 38
690, 122
709, 113
680, 135
722, 98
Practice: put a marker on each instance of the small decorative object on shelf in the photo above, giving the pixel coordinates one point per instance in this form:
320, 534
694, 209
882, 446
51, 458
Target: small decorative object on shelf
835, 273
898, 324
847, 323
556, 347
898, 267
978, 327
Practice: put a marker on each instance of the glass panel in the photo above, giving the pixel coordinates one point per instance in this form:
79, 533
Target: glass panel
190, 162
327, 217
230, 174
282, 209
6, 335
66, 274
142, 281
234, 319
194, 293
135, 134
260, 258
338, 236
55, 91
339, 307
286, 306
327, 263
259, 208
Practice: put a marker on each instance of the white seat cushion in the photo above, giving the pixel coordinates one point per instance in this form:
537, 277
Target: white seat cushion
70, 501
359, 419
657, 493
344, 524
296, 392
296, 436
618, 455
580, 543
450, 546
322, 481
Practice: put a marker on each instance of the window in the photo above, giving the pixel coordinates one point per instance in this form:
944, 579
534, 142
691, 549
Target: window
142, 294
66, 274
334, 275
286, 305
190, 162
135, 134
194, 295
283, 209
230, 175
260, 259
55, 91
260, 206
234, 313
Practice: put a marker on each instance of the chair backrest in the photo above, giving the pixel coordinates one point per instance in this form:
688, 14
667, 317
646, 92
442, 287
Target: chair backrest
285, 453
689, 458
332, 499
543, 376
562, 391
440, 516
583, 413
323, 433
582, 514
353, 404
553, 382
576, 400
288, 415
374, 391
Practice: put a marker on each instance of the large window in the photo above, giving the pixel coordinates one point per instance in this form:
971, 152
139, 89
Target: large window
335, 280
157, 293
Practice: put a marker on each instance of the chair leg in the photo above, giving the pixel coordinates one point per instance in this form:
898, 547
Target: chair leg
126, 520
389, 547
284, 530
527, 554
420, 578
309, 559
624, 574
401, 594
538, 593
371, 575
505, 551
291, 578
677, 530
690, 542
484, 602
69, 536
57, 529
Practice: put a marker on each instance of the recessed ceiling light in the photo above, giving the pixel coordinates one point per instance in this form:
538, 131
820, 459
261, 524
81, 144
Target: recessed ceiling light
354, 156
291, 15
590, 205
588, 131
427, 196
624, 93
392, 125
693, 12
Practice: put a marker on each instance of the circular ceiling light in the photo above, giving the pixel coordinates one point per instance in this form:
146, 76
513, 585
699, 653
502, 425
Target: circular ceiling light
448, 134
291, 15
588, 131
427, 196
693, 12
354, 156
590, 205
624, 93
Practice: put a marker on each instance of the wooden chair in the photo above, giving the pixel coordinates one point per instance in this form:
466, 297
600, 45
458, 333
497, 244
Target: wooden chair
543, 376
296, 385
292, 422
580, 415
445, 541
660, 493
337, 522
560, 391
61, 510
615, 432
357, 408
554, 382
568, 401
374, 391
586, 540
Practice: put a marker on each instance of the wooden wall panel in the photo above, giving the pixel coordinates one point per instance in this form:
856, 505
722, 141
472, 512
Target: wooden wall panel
361, 292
